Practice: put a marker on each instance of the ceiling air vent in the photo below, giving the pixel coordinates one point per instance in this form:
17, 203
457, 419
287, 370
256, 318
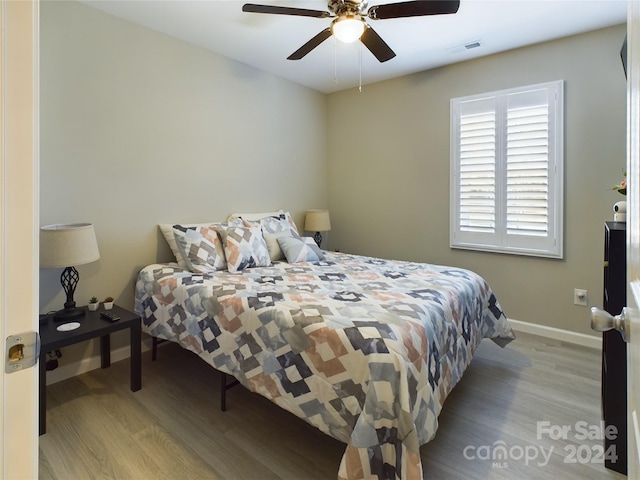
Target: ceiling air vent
465, 46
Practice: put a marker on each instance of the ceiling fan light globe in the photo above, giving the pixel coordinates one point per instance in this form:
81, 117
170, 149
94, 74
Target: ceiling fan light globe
348, 28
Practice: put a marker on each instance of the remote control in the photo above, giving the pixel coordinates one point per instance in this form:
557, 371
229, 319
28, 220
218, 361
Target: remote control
112, 317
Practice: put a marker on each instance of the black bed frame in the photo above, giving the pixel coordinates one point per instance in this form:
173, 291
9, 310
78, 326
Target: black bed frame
224, 383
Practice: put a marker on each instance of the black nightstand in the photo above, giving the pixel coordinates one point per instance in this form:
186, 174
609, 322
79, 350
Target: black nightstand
92, 325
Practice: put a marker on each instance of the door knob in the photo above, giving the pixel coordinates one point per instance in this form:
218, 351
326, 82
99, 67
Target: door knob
602, 321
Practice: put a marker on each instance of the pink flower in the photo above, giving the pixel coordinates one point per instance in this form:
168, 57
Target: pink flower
622, 186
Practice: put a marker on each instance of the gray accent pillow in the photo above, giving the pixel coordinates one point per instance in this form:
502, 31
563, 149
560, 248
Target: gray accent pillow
300, 249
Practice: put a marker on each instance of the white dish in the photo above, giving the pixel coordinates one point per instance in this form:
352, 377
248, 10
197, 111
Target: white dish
66, 327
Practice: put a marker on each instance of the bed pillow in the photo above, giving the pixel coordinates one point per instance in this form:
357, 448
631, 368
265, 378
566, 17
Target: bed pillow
299, 249
274, 226
253, 217
200, 248
167, 233
271, 239
279, 223
244, 247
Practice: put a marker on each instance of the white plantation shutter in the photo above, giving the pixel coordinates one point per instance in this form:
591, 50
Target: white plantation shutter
478, 172
506, 165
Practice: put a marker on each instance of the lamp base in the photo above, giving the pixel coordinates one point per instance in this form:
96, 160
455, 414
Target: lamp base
67, 314
318, 238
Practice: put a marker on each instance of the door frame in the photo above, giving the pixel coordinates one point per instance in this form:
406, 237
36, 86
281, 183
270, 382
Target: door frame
19, 229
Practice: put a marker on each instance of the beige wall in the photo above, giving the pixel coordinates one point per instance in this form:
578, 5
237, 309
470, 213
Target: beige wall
389, 170
138, 128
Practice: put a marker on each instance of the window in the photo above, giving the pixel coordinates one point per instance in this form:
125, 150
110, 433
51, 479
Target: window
507, 171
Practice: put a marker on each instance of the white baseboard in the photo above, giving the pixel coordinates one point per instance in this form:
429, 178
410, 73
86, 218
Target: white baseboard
91, 363
583, 339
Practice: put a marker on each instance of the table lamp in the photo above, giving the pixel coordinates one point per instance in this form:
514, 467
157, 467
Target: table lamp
68, 245
318, 221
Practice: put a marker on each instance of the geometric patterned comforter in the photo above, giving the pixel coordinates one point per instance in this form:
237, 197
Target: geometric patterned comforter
364, 349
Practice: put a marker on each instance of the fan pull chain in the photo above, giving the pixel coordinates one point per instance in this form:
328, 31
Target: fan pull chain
360, 66
335, 60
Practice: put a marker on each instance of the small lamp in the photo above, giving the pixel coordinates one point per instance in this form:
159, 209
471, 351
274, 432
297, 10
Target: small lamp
66, 246
318, 221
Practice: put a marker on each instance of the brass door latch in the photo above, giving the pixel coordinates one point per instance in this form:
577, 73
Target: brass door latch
22, 350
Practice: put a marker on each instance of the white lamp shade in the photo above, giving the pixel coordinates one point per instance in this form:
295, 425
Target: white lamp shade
68, 245
348, 28
317, 221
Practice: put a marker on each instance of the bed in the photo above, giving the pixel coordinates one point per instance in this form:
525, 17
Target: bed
364, 349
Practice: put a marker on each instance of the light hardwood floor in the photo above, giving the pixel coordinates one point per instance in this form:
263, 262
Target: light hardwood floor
173, 427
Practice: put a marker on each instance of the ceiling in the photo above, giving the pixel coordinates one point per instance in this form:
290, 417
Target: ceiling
421, 43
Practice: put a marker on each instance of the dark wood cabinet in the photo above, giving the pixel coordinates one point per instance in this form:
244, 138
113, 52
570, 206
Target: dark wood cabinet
614, 349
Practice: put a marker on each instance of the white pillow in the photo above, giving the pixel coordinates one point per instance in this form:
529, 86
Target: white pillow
254, 217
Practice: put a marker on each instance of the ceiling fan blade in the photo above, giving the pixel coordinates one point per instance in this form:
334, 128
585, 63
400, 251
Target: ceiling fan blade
310, 45
376, 45
302, 12
413, 9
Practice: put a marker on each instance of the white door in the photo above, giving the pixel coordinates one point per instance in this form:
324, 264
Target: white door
18, 231
633, 235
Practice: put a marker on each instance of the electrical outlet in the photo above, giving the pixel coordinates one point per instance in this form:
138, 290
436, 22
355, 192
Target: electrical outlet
580, 297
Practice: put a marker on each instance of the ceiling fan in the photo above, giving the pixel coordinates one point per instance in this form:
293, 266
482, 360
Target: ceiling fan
349, 23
